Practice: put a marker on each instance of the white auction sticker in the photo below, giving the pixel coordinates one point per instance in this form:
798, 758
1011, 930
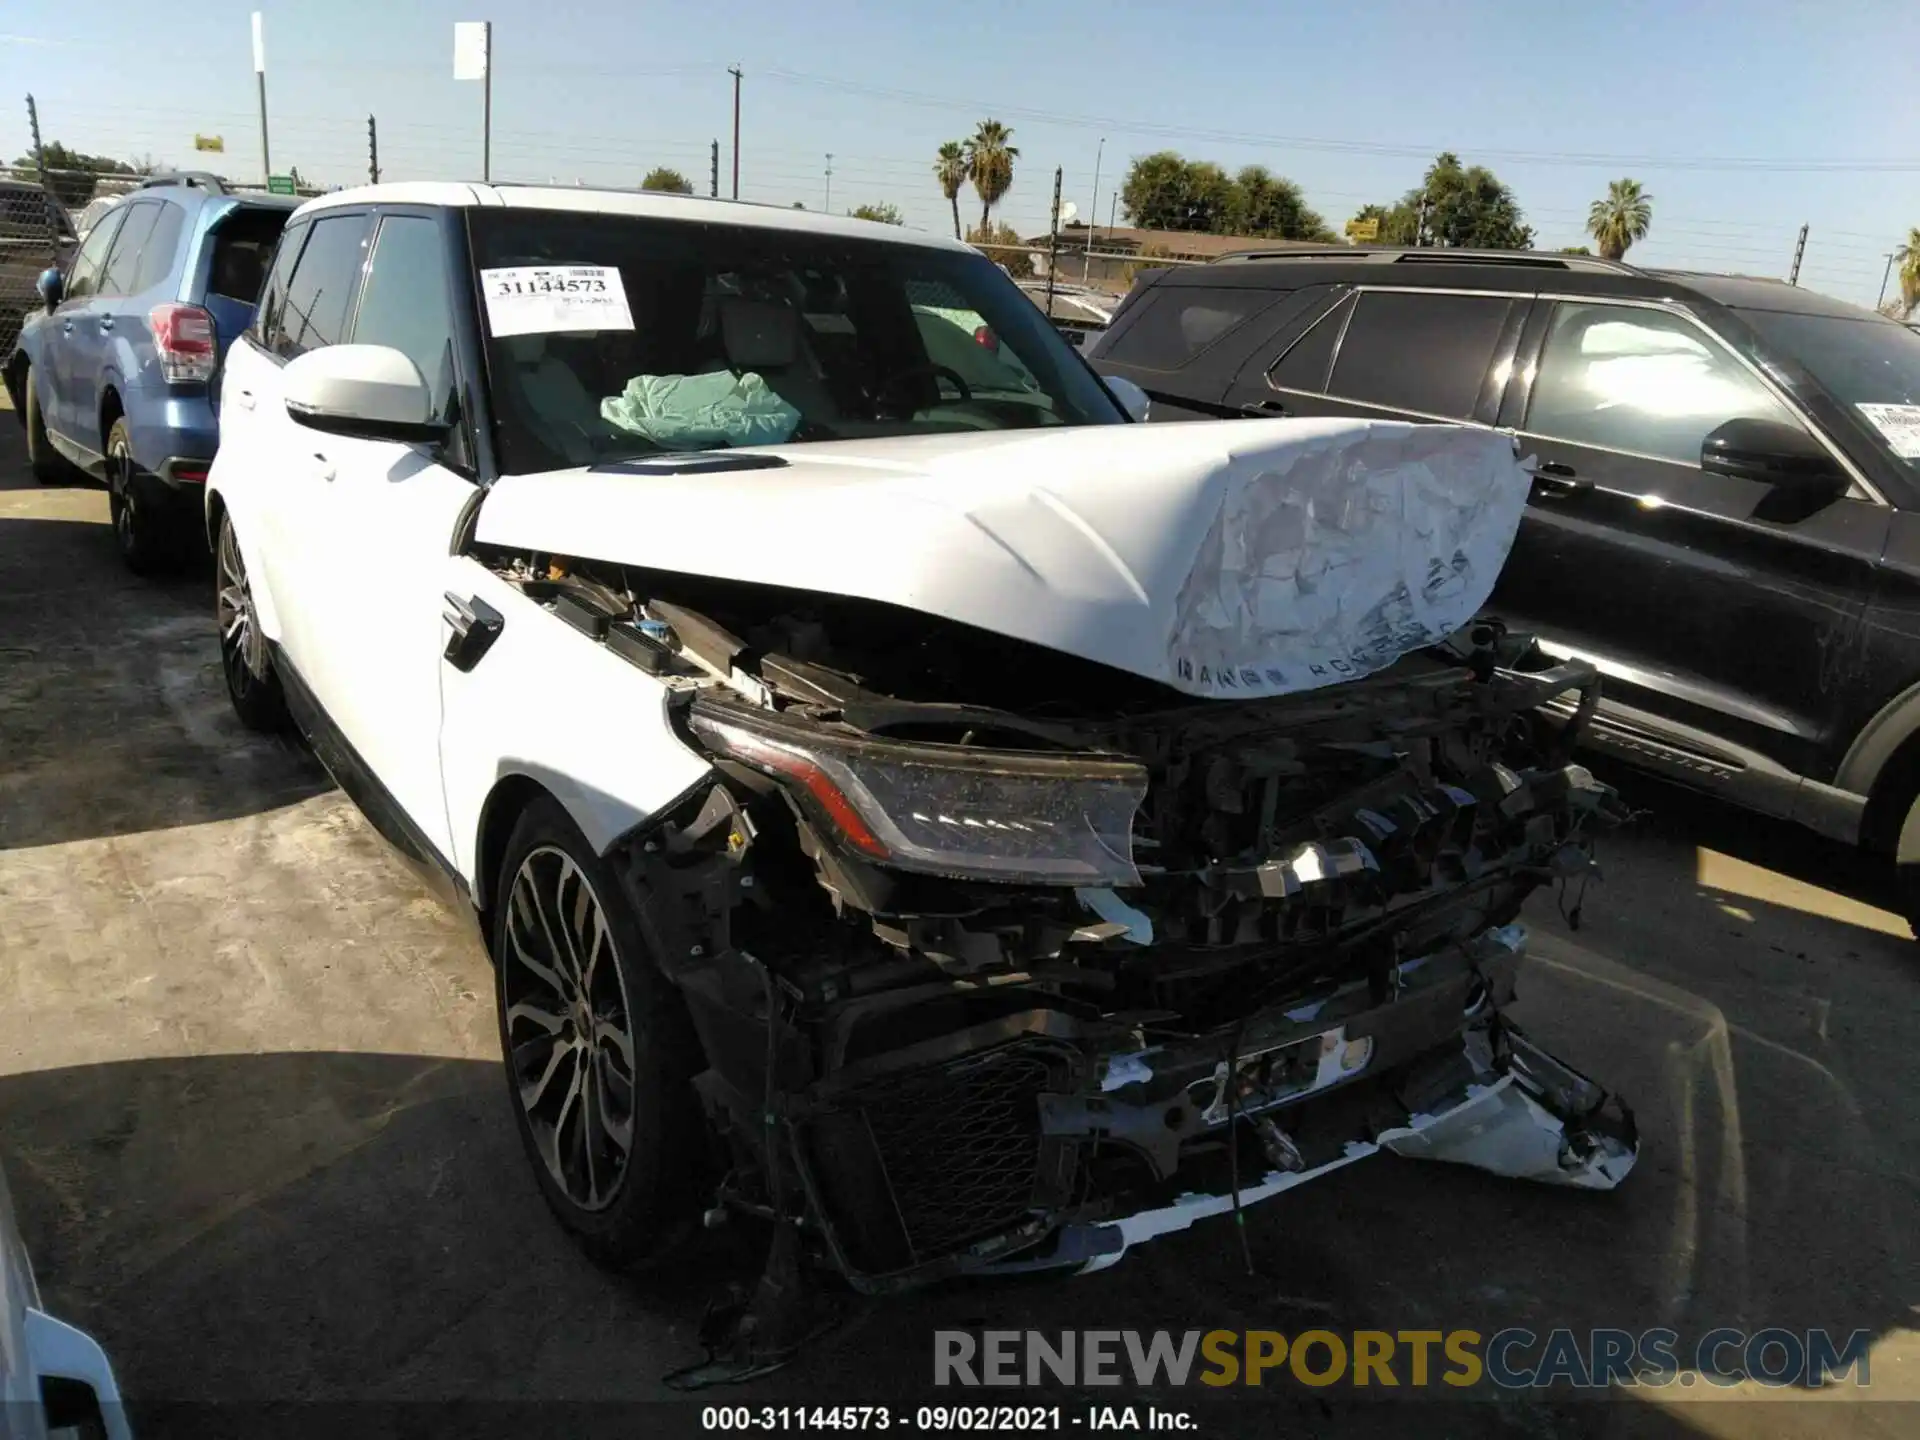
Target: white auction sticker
1900, 424
545, 299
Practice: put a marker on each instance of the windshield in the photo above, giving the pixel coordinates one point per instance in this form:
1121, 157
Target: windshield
1869, 364
616, 336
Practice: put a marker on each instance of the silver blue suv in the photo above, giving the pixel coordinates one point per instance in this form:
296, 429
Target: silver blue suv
113, 378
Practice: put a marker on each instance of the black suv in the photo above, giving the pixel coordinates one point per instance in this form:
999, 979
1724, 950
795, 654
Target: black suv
1725, 514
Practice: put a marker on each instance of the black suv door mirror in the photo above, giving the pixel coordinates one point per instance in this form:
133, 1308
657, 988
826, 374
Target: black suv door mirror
1772, 453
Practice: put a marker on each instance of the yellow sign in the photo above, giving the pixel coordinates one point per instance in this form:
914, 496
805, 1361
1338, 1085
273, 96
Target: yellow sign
1361, 231
210, 142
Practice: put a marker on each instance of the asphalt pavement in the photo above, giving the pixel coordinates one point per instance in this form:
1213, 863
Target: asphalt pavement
253, 1117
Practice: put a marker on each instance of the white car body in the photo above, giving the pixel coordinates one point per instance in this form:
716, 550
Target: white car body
35, 1348
415, 605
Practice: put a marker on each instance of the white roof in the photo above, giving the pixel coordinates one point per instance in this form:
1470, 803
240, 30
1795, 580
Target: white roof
649, 203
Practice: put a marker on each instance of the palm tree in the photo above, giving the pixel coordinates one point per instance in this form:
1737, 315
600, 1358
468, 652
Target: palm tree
1907, 257
990, 164
1622, 218
950, 168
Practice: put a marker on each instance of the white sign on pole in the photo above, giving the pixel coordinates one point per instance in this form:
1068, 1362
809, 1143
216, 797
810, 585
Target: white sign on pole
1069, 213
470, 50
259, 47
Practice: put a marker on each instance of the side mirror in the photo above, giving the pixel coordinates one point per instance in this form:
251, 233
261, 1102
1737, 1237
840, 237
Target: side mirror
1132, 398
51, 285
1770, 452
369, 392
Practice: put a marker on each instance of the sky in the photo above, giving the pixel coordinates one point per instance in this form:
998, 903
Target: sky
1744, 121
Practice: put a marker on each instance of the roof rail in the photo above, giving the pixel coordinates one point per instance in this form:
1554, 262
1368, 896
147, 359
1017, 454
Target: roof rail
198, 179
1440, 255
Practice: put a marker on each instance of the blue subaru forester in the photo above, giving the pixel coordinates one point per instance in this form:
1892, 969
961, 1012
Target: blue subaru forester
115, 376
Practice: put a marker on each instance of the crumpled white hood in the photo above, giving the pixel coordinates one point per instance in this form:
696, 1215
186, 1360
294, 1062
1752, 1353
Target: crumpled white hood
1240, 558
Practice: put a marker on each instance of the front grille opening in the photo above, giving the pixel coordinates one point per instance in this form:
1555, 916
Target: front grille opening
927, 1163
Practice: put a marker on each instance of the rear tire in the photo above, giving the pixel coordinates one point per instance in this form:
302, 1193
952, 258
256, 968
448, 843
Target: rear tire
142, 530
598, 1051
1906, 860
49, 466
252, 686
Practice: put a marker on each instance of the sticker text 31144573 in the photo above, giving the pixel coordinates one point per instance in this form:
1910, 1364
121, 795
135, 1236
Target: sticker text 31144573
545, 299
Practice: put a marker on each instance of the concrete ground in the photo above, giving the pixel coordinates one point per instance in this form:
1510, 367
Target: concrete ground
252, 1115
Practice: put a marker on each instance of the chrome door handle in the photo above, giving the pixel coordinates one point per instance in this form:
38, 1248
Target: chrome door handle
323, 467
1269, 409
66, 327
106, 322
243, 398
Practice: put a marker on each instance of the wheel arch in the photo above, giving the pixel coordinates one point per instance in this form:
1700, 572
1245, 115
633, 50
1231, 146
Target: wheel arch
112, 408
265, 613
1883, 764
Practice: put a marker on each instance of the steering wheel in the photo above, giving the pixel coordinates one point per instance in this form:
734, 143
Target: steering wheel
939, 372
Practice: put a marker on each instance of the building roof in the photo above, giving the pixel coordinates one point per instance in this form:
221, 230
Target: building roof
649, 203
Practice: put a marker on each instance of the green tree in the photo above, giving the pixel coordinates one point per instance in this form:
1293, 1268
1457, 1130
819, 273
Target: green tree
671, 181
950, 168
1575, 250
1907, 257
1455, 205
71, 174
1621, 219
990, 164
1470, 208
1155, 192
1273, 207
885, 214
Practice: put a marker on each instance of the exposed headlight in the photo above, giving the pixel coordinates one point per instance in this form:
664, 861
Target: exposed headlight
946, 809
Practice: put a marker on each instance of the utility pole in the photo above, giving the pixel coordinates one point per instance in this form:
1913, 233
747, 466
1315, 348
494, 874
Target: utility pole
1053, 243
373, 151
1885, 275
1420, 225
473, 60
1093, 212
46, 191
260, 75
734, 70
713, 181
829, 205
1793, 276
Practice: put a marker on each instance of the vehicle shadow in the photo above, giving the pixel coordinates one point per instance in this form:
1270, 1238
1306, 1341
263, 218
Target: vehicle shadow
113, 709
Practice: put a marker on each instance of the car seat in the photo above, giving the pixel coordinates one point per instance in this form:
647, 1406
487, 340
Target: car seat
764, 337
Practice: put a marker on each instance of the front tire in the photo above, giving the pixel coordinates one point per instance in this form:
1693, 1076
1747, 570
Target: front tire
598, 1050
252, 686
49, 466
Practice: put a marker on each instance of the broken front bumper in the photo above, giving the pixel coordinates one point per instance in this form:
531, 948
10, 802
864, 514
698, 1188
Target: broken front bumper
1043, 1142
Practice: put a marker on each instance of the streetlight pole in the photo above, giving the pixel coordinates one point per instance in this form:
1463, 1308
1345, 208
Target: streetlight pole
734, 70
1885, 275
829, 204
260, 75
1093, 212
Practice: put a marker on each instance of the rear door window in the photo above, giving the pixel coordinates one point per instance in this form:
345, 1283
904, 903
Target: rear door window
322, 285
1305, 365
86, 264
273, 294
157, 257
123, 261
1423, 352
1178, 322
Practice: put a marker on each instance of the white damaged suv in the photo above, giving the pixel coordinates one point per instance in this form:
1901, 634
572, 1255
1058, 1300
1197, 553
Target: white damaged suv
922, 809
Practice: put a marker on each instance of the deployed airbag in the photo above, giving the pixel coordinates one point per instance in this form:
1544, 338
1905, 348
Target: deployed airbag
693, 412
